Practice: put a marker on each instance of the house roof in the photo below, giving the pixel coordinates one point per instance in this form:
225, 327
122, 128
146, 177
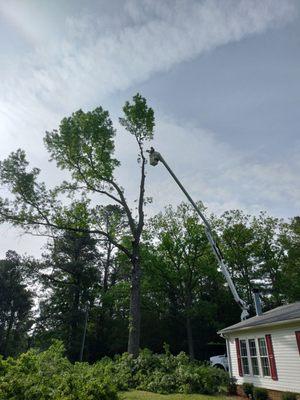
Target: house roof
278, 315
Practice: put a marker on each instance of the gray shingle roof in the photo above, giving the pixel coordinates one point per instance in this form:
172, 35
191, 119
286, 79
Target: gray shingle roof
280, 314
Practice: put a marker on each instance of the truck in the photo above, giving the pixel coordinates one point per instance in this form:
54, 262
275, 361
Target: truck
219, 361
154, 158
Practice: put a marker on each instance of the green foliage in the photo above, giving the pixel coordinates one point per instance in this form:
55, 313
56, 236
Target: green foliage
254, 251
29, 194
182, 267
14, 173
290, 277
74, 281
84, 145
260, 394
15, 306
143, 395
163, 373
50, 376
289, 396
248, 389
139, 118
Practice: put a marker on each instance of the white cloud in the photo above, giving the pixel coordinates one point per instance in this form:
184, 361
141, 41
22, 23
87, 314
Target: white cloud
98, 55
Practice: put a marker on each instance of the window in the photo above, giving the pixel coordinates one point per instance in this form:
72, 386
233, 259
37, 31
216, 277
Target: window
244, 357
253, 356
256, 357
264, 358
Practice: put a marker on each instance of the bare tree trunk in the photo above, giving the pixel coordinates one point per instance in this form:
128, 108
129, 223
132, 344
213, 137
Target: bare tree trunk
189, 329
106, 267
7, 336
189, 332
135, 297
135, 307
84, 333
73, 327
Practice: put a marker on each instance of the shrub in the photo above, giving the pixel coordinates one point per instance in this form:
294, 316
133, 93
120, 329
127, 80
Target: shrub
50, 376
260, 394
166, 373
231, 387
289, 396
201, 379
160, 382
248, 389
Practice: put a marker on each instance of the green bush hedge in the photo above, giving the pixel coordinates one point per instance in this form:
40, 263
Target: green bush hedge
289, 396
248, 389
49, 375
260, 394
163, 373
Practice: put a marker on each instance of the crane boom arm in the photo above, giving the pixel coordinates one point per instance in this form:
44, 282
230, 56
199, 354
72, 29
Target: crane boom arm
155, 157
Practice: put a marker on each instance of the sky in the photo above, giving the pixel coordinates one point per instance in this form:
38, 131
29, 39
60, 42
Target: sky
221, 75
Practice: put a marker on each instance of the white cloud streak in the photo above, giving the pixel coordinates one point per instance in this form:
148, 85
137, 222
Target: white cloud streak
93, 60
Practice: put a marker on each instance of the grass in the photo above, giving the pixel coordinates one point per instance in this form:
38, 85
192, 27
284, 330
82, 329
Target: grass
141, 395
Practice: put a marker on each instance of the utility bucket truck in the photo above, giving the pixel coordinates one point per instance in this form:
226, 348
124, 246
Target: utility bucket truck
154, 158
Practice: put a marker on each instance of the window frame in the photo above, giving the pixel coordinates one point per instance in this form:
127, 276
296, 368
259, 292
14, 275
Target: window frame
256, 338
254, 356
245, 357
264, 356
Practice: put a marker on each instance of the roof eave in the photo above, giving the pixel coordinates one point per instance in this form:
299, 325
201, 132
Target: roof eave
252, 327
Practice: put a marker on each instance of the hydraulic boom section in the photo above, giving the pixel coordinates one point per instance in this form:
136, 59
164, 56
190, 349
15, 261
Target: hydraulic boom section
155, 157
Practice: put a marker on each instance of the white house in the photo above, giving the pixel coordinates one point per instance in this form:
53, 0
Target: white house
265, 350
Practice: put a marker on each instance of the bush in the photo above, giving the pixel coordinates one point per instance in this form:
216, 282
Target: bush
260, 394
289, 396
201, 379
50, 376
248, 389
231, 387
164, 373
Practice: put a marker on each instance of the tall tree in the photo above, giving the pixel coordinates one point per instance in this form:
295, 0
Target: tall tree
16, 303
184, 263
84, 145
270, 256
70, 272
253, 249
290, 278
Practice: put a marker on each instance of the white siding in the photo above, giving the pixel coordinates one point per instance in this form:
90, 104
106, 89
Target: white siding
286, 354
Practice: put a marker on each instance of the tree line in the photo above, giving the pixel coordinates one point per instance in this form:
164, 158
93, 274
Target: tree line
110, 280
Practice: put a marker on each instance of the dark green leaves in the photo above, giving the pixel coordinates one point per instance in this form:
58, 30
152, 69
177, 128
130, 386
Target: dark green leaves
74, 216
13, 173
15, 305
